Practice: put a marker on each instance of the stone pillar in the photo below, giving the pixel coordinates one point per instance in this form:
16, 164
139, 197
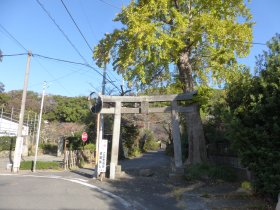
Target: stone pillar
25, 146
145, 111
115, 141
176, 136
60, 145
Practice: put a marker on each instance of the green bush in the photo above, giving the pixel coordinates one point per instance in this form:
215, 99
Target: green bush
75, 142
201, 171
130, 145
254, 101
7, 143
150, 143
48, 148
40, 165
90, 147
135, 152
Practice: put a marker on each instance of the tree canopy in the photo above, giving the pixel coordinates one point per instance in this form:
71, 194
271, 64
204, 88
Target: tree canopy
202, 38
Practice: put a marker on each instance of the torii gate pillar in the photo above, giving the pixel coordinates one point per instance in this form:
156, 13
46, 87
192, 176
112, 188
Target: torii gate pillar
176, 135
115, 140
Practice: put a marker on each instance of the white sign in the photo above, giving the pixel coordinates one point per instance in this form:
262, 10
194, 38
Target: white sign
102, 158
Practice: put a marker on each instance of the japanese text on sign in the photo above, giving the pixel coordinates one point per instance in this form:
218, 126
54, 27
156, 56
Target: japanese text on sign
102, 156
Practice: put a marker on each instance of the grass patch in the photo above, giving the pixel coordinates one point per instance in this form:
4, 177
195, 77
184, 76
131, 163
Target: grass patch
207, 171
40, 165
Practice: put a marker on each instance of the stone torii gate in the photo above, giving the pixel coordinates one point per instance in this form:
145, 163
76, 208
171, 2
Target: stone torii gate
115, 107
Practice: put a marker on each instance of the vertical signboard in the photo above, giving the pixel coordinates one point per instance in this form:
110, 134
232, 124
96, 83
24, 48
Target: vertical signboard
102, 156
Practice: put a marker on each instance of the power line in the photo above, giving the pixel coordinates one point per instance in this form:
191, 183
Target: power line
11, 36
52, 77
12, 55
76, 63
64, 34
112, 5
76, 25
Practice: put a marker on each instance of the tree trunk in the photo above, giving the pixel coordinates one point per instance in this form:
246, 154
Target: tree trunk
196, 139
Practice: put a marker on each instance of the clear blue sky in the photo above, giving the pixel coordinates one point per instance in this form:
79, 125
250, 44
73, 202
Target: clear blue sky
31, 26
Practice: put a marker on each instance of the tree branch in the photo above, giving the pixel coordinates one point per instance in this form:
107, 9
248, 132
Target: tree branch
176, 4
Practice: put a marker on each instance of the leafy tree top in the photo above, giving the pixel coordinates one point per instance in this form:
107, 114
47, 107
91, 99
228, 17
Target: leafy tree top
157, 33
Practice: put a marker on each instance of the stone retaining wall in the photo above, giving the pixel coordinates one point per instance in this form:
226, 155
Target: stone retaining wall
6, 154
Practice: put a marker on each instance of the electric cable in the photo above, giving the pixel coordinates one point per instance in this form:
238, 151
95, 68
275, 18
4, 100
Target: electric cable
112, 5
76, 25
11, 36
60, 29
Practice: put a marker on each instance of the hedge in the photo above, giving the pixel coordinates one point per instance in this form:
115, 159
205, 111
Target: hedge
7, 143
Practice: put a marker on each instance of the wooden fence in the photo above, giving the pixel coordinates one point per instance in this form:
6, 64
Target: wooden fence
72, 159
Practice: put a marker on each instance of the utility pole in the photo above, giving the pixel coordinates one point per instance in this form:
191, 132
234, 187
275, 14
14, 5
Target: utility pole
39, 127
101, 130
19, 141
100, 124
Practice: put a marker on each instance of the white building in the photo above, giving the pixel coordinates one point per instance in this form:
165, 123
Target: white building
9, 128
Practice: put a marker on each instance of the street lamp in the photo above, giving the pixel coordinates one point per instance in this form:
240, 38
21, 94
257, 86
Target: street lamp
45, 85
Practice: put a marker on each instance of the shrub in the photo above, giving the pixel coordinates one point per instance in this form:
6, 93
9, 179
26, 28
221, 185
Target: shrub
200, 171
90, 147
135, 152
7, 143
75, 142
150, 143
48, 148
129, 139
254, 101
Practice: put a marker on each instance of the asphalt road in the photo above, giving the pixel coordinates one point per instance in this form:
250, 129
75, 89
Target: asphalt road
18, 192
147, 160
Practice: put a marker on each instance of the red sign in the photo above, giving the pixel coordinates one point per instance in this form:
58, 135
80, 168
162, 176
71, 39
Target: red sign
84, 136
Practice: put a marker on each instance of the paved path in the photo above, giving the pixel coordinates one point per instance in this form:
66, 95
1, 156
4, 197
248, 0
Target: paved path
37, 192
147, 160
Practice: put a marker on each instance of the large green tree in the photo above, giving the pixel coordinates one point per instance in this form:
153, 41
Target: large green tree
201, 38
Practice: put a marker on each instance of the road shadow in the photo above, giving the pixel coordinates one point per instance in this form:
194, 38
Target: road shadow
84, 172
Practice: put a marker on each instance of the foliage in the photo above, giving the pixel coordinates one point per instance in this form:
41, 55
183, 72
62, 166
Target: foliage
4, 98
135, 151
75, 141
246, 185
48, 148
217, 118
201, 171
156, 33
40, 165
7, 143
56, 108
150, 141
66, 109
90, 147
130, 138
255, 127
